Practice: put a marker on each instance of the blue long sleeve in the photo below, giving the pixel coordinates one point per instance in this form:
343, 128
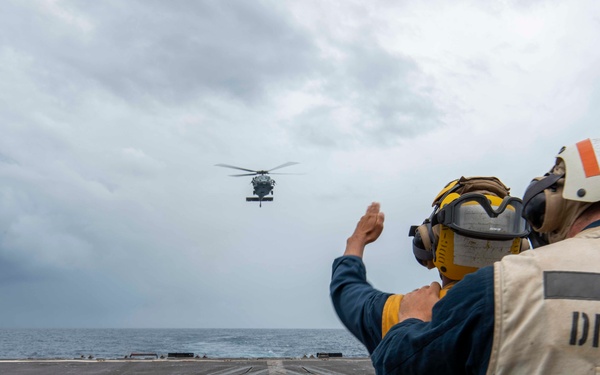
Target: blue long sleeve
458, 340
358, 305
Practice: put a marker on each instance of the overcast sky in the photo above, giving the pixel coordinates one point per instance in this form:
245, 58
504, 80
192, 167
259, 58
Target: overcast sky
113, 115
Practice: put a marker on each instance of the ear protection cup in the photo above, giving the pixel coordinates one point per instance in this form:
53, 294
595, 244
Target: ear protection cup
535, 211
423, 232
547, 210
422, 243
544, 203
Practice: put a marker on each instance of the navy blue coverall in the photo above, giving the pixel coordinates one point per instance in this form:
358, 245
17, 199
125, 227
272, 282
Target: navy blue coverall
458, 340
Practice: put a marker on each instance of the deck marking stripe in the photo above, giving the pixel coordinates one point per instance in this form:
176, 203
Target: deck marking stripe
276, 368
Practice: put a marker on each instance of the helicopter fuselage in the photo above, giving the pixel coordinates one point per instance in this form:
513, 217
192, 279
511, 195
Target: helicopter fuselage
263, 185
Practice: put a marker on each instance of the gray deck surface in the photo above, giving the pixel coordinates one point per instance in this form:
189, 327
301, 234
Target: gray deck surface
270, 366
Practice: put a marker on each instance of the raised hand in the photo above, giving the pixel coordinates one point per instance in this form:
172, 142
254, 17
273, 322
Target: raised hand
367, 230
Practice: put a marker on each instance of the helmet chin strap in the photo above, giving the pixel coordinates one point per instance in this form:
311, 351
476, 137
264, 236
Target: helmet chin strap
541, 184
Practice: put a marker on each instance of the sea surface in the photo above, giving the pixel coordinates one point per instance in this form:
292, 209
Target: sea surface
214, 343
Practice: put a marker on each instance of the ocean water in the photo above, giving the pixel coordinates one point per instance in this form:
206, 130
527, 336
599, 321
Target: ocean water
214, 343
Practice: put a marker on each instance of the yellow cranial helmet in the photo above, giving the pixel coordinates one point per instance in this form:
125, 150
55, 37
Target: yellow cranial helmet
474, 223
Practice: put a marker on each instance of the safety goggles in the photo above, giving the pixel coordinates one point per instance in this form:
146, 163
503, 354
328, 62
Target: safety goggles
485, 217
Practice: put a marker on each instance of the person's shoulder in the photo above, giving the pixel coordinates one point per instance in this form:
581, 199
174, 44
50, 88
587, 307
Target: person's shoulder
474, 286
482, 275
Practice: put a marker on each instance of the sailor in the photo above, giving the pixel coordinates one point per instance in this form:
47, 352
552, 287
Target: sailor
474, 223
533, 313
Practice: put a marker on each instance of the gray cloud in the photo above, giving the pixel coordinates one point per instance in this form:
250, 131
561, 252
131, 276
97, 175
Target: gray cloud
393, 99
175, 53
7, 160
114, 113
166, 51
380, 93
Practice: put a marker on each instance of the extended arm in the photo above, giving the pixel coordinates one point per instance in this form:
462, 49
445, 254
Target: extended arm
358, 305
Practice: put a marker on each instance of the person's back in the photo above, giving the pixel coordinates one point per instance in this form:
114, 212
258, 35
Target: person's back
547, 309
547, 301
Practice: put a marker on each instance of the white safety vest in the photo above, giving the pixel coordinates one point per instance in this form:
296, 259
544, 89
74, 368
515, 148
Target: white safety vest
547, 309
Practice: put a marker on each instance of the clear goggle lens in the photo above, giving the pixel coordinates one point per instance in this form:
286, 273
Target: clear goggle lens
488, 217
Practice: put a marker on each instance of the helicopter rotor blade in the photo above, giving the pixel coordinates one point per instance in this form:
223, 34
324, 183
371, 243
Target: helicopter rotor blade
245, 174
231, 166
288, 173
283, 165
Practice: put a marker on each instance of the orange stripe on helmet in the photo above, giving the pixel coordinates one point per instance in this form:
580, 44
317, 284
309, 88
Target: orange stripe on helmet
588, 158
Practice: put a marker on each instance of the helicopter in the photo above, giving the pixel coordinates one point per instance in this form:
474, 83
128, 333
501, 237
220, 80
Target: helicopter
263, 184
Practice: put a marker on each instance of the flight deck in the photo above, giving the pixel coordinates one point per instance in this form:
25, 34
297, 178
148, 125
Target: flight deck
221, 366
